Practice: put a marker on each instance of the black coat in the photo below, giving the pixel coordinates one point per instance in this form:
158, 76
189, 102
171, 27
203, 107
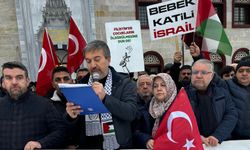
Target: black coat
30, 118
241, 98
223, 107
121, 104
142, 125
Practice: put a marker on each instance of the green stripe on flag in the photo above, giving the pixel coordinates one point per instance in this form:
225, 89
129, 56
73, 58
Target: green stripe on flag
224, 46
210, 29
213, 29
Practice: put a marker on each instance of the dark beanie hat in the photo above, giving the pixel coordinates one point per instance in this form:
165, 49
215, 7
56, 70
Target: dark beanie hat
185, 67
243, 63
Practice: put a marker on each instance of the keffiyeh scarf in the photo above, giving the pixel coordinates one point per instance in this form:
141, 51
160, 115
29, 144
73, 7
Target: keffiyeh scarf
98, 124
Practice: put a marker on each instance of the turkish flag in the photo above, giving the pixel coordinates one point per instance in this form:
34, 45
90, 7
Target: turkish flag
178, 129
76, 45
48, 61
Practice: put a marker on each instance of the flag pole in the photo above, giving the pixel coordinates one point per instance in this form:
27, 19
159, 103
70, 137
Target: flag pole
177, 49
50, 46
196, 9
182, 49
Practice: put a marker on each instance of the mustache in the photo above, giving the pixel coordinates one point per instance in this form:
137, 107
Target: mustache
186, 78
95, 70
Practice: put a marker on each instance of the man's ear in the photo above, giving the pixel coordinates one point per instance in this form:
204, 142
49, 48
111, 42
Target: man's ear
109, 59
53, 85
28, 81
3, 84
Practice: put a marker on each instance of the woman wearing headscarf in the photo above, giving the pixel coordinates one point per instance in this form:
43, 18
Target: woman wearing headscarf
164, 93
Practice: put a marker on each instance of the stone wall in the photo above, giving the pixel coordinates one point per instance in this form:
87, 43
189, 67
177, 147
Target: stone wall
9, 41
122, 10
105, 11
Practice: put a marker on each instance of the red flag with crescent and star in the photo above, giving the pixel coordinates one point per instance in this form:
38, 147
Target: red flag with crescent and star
48, 61
76, 45
178, 129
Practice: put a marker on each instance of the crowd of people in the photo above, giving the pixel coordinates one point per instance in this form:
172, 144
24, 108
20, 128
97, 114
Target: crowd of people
220, 103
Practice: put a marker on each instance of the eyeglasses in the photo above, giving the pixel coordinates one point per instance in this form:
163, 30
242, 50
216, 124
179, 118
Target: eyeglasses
202, 72
242, 70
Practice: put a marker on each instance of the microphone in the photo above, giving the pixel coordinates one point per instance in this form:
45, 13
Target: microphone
95, 76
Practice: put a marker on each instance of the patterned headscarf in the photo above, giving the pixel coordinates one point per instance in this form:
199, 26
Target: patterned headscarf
157, 108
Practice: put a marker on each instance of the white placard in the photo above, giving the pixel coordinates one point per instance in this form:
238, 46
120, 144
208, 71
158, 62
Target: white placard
231, 145
125, 43
171, 18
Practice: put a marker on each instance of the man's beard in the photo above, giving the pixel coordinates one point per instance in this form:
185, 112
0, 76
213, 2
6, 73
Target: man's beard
146, 97
186, 79
15, 93
185, 82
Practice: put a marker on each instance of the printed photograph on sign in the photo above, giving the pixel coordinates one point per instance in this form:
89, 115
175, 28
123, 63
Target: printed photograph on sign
125, 43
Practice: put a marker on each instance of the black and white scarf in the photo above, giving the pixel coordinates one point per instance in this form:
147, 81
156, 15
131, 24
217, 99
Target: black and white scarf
95, 126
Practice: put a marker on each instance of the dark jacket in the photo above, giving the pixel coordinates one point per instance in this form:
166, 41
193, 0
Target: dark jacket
121, 104
142, 125
59, 102
30, 118
223, 108
241, 98
2, 92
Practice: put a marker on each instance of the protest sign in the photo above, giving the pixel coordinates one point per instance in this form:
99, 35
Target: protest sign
125, 43
171, 18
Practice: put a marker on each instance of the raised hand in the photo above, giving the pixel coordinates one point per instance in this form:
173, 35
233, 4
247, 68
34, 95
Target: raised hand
194, 50
177, 57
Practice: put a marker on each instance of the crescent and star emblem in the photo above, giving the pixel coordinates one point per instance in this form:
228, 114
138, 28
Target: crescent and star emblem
44, 60
174, 115
74, 39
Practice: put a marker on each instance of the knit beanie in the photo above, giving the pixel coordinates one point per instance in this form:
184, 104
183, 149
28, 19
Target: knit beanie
243, 63
186, 67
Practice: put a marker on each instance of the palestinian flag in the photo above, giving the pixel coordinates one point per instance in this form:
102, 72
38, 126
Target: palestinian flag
108, 127
209, 27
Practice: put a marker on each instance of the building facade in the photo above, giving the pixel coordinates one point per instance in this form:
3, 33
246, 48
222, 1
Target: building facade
20, 38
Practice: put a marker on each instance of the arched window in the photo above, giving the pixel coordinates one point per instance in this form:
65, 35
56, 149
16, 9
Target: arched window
238, 54
219, 60
153, 62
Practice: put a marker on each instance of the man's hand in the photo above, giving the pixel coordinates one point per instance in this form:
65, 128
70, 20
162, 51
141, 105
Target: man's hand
213, 141
177, 57
99, 90
210, 141
194, 50
204, 140
73, 110
150, 144
32, 145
